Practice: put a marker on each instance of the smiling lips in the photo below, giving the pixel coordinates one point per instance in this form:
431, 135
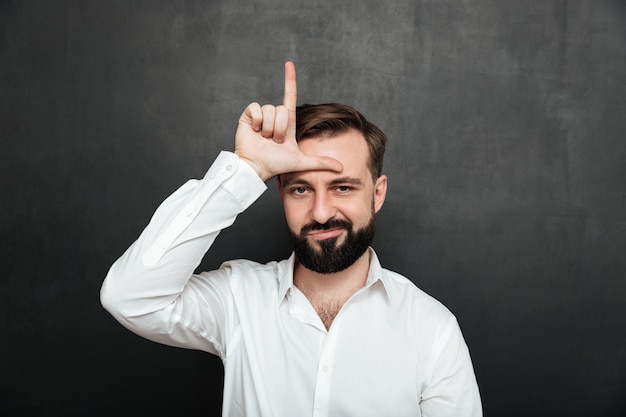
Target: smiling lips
325, 234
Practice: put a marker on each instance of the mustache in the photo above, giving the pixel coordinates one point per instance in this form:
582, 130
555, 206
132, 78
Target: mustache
331, 224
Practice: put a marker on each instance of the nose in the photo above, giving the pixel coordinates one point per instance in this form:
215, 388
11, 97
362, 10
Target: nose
323, 208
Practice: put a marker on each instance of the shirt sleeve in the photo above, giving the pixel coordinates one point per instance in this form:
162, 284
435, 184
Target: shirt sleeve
452, 390
151, 288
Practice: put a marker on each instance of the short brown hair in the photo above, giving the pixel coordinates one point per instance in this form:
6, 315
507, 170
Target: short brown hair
329, 119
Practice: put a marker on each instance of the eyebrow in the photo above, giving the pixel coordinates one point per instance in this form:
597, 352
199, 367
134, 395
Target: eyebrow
336, 181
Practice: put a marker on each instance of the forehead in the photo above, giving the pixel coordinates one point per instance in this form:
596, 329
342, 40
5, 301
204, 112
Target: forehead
349, 148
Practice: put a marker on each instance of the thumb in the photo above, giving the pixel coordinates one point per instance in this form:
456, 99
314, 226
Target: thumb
319, 163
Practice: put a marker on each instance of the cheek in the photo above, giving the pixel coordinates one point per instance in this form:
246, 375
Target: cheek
293, 215
359, 214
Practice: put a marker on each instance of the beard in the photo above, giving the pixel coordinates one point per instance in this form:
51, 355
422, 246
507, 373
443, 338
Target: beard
332, 257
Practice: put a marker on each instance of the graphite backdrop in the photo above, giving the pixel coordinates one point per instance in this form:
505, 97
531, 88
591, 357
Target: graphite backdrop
507, 181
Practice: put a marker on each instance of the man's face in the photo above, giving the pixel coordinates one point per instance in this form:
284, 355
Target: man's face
330, 215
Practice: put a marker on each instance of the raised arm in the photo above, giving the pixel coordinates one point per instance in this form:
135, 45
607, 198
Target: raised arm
151, 289
266, 136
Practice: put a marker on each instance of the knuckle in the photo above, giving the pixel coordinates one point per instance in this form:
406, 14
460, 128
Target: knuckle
268, 108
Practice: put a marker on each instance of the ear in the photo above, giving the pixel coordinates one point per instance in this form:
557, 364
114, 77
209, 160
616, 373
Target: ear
380, 191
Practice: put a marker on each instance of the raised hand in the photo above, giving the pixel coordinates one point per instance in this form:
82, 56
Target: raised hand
266, 136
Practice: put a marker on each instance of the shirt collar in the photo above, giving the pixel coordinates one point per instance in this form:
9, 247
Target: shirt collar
375, 274
285, 276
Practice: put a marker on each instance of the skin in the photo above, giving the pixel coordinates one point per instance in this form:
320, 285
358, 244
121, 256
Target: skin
320, 179
266, 136
318, 196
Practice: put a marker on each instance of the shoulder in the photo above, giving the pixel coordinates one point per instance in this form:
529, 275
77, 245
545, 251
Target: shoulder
404, 292
255, 274
237, 266
242, 279
237, 269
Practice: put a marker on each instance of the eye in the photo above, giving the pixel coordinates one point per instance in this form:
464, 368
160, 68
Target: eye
299, 190
343, 189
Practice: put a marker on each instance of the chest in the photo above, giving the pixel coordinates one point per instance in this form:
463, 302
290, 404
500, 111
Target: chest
326, 309
361, 361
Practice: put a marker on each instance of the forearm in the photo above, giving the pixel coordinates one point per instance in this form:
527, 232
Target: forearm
153, 272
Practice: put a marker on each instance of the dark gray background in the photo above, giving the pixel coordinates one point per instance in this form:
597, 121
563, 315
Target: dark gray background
507, 181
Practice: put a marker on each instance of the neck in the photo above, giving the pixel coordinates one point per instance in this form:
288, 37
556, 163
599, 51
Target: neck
328, 292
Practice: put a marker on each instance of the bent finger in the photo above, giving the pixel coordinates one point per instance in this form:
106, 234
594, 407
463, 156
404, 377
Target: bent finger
281, 124
269, 113
253, 116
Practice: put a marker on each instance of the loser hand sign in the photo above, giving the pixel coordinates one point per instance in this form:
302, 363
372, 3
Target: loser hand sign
266, 136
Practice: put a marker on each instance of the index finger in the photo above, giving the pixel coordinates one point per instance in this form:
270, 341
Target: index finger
291, 89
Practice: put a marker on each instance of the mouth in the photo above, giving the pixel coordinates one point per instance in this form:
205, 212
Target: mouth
325, 234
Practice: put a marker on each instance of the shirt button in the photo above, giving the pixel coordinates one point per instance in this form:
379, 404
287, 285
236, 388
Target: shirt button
188, 213
325, 368
229, 167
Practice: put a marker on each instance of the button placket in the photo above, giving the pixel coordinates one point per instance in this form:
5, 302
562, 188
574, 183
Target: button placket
325, 373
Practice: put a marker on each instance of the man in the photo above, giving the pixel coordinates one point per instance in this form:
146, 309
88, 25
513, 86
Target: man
327, 332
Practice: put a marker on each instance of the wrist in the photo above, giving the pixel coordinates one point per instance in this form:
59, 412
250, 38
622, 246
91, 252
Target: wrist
261, 173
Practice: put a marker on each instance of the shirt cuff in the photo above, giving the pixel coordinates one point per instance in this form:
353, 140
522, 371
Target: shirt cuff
240, 179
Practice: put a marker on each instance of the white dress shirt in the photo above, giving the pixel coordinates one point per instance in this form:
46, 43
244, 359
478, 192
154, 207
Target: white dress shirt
391, 351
